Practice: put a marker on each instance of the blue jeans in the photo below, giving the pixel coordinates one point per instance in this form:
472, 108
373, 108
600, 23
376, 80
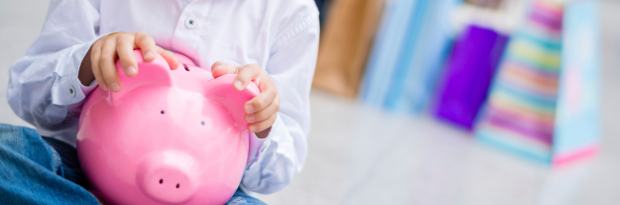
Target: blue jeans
42, 170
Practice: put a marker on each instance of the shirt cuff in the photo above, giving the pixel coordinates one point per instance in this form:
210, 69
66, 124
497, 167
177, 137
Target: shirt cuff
258, 146
78, 92
69, 92
88, 89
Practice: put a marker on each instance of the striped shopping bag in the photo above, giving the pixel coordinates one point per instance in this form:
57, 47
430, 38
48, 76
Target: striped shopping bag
544, 100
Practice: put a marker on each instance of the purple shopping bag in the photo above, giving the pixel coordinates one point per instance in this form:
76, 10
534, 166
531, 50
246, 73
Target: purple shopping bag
469, 72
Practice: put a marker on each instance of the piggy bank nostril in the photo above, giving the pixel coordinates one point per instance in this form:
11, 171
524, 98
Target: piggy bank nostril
168, 177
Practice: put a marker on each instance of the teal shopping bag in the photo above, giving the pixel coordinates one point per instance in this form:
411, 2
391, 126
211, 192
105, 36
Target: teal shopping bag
408, 54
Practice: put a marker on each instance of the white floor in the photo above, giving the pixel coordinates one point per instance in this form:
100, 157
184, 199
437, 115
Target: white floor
364, 156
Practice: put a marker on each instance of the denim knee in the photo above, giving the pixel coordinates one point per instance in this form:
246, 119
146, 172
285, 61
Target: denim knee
28, 143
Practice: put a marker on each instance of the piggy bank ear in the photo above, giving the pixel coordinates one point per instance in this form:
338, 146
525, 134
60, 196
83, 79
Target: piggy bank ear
221, 91
155, 73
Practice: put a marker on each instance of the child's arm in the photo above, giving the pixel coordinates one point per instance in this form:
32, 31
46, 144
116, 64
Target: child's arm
49, 84
291, 66
43, 85
280, 150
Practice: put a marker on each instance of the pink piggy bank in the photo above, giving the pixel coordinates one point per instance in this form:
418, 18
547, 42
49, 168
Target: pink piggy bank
167, 137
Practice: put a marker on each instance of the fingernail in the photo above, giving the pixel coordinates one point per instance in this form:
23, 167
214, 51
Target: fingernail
249, 118
115, 87
149, 55
238, 84
252, 128
249, 109
132, 71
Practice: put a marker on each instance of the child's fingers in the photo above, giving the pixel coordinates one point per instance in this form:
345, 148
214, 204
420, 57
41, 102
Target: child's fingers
107, 65
124, 47
265, 113
245, 74
219, 68
147, 45
172, 60
261, 101
95, 53
262, 125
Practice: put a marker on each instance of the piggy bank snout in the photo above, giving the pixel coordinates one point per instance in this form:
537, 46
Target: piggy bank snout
168, 177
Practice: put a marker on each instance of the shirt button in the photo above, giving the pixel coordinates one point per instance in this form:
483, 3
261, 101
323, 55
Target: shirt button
190, 22
71, 91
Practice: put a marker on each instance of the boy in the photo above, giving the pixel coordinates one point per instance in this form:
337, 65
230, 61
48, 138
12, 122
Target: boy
271, 42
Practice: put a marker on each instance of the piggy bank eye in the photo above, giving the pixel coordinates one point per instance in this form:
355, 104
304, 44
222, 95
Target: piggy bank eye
185, 66
162, 112
202, 123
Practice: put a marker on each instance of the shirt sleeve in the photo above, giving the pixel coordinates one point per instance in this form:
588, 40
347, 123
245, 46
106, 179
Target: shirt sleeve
44, 89
282, 154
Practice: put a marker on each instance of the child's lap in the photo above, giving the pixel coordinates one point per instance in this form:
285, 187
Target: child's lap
32, 172
42, 170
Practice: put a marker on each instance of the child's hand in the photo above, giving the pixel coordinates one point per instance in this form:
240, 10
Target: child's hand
261, 110
99, 62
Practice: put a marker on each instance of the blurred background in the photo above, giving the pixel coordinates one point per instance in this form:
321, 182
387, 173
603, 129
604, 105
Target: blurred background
444, 101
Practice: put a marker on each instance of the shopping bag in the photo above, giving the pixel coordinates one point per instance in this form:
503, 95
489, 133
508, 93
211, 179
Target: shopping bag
385, 51
345, 44
544, 101
468, 75
408, 54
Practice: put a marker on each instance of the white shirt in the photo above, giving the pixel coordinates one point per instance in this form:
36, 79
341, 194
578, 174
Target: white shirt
279, 35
